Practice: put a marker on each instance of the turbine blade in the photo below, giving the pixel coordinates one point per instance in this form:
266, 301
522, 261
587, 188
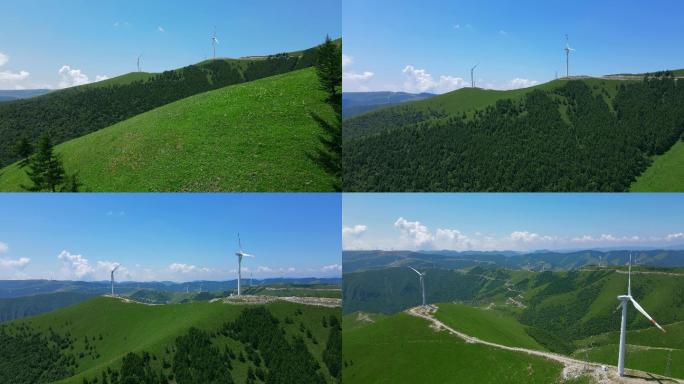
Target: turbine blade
618, 307
239, 242
643, 312
414, 270
629, 277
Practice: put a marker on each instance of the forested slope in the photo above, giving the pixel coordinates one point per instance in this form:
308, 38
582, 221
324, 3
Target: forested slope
579, 135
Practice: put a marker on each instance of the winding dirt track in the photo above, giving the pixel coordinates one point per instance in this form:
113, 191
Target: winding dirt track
601, 373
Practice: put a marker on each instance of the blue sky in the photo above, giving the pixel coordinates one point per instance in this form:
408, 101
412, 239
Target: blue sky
410, 45
104, 37
520, 222
179, 237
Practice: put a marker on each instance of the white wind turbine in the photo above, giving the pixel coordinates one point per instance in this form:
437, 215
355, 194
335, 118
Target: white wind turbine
240, 254
567, 50
112, 277
422, 283
214, 42
472, 78
139, 57
624, 302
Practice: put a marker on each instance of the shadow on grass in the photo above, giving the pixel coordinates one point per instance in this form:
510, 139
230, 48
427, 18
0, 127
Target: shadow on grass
329, 155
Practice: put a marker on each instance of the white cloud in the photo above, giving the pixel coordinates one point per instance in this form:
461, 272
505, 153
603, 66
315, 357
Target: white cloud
520, 83
675, 236
354, 231
502, 32
18, 263
161, 29
414, 231
332, 268
3, 59
346, 60
3, 247
107, 265
101, 77
71, 77
187, 268
264, 269
357, 77
9, 76
75, 265
419, 80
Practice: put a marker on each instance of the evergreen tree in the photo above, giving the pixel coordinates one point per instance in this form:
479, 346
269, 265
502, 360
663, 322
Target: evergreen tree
23, 150
46, 170
329, 67
329, 71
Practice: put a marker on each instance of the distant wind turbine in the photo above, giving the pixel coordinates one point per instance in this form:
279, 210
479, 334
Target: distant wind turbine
472, 79
240, 254
422, 283
624, 302
112, 277
139, 57
568, 50
214, 42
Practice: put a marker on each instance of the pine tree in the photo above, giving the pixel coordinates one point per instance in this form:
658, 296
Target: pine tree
46, 170
329, 71
329, 67
23, 150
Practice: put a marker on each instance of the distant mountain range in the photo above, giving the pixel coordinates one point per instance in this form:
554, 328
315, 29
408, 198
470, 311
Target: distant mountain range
11, 95
356, 103
353, 261
19, 288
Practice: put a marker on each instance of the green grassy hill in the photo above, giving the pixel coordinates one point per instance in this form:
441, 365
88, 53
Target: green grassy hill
585, 134
404, 349
70, 113
648, 349
487, 324
257, 136
666, 173
104, 330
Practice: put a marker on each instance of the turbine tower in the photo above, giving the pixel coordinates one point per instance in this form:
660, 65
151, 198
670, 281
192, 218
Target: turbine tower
240, 254
139, 57
112, 277
422, 283
567, 56
624, 302
214, 42
472, 79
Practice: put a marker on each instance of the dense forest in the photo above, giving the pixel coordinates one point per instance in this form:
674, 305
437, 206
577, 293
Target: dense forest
570, 139
74, 112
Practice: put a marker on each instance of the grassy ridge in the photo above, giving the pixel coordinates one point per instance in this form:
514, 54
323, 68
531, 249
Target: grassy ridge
487, 324
404, 349
255, 136
666, 173
130, 327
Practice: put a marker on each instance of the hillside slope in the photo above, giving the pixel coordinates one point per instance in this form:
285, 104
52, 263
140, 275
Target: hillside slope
100, 332
74, 112
255, 136
588, 134
404, 349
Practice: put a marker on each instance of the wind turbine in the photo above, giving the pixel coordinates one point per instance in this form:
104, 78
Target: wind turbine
139, 57
472, 79
624, 302
214, 42
567, 56
422, 283
240, 254
112, 277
